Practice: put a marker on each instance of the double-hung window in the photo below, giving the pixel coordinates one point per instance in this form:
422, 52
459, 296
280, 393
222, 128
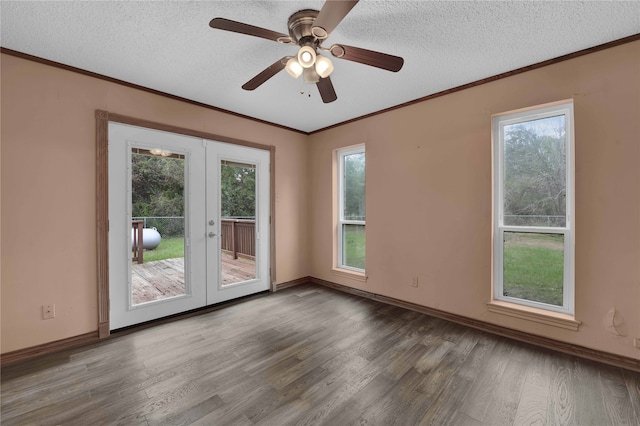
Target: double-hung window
533, 211
351, 208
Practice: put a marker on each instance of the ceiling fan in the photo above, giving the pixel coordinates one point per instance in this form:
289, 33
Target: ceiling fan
308, 28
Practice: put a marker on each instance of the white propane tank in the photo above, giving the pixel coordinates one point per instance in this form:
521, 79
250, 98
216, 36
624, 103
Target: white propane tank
150, 238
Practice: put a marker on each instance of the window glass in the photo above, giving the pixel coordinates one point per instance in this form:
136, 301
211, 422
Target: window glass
535, 173
533, 267
158, 226
354, 193
351, 210
353, 241
533, 243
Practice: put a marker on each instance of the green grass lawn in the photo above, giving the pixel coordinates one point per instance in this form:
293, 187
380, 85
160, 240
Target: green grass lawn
534, 267
354, 246
533, 263
169, 248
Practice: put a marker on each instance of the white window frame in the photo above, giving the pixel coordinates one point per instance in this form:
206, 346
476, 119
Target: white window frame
342, 153
499, 122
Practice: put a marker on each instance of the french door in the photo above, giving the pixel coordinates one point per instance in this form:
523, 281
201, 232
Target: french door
188, 223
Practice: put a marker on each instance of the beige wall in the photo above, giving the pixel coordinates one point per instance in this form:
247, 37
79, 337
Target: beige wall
429, 189
428, 200
48, 192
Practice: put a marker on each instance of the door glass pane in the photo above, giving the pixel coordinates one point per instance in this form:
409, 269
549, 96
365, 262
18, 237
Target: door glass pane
158, 225
534, 267
535, 173
353, 245
238, 222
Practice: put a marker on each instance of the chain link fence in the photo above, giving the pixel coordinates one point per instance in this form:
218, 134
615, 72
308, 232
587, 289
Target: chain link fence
173, 226
535, 220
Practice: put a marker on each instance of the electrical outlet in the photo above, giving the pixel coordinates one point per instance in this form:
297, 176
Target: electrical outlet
414, 282
636, 343
48, 311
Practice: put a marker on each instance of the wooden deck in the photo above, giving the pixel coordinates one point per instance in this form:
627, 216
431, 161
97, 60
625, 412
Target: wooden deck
165, 278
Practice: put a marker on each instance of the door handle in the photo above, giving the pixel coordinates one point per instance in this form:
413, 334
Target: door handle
211, 234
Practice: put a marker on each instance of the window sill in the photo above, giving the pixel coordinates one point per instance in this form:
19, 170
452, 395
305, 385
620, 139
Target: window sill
555, 319
359, 276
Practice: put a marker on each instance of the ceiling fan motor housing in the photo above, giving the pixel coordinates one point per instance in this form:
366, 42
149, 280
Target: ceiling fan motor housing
300, 24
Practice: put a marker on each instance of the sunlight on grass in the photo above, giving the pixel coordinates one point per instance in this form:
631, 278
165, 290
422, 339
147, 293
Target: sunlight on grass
534, 267
354, 246
169, 248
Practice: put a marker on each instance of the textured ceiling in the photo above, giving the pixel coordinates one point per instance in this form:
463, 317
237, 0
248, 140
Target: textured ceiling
168, 46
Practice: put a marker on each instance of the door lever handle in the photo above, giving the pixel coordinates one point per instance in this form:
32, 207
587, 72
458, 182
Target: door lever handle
211, 234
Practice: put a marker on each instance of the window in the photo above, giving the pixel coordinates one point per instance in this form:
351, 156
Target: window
351, 209
533, 212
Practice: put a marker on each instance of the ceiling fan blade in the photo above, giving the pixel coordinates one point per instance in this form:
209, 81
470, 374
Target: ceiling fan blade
331, 14
327, 92
239, 27
367, 57
266, 74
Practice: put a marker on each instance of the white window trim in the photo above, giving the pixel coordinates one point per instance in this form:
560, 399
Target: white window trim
360, 149
499, 121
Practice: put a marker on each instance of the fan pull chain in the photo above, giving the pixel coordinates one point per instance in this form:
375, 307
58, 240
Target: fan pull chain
302, 90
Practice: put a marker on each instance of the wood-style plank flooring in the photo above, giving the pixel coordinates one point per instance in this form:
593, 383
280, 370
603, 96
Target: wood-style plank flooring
310, 355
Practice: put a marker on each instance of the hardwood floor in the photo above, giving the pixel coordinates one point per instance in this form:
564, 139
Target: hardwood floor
310, 355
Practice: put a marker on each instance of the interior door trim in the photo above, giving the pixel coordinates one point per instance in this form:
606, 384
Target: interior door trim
102, 198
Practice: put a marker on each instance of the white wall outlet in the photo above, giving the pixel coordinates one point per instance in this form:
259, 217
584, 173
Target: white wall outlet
636, 342
414, 282
48, 311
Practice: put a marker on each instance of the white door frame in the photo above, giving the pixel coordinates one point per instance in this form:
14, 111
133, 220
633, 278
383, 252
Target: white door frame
187, 145
122, 138
217, 293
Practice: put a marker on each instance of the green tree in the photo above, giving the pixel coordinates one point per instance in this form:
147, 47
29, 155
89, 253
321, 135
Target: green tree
535, 173
157, 185
238, 190
354, 187
158, 189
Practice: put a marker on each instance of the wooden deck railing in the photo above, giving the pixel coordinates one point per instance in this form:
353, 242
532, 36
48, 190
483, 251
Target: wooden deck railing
138, 244
238, 237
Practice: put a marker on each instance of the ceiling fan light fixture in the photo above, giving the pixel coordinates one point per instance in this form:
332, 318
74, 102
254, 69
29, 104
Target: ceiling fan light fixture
319, 33
306, 56
324, 66
160, 152
310, 75
294, 68
337, 51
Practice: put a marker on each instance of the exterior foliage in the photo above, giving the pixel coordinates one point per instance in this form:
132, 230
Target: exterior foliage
158, 186
238, 191
535, 175
354, 182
